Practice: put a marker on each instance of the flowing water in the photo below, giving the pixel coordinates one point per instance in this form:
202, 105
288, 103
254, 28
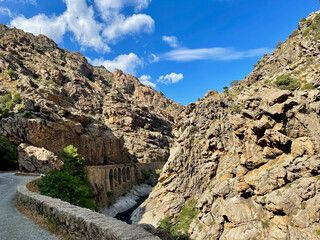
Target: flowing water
125, 216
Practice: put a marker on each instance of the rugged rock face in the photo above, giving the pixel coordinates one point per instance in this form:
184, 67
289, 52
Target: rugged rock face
37, 160
249, 158
110, 118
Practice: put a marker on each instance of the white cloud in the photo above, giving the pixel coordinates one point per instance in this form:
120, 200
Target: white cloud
131, 25
171, 40
81, 19
171, 78
152, 58
54, 27
145, 79
218, 53
127, 63
5, 11
119, 4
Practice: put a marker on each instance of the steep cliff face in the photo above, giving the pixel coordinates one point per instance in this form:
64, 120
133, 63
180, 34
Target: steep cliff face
110, 118
245, 163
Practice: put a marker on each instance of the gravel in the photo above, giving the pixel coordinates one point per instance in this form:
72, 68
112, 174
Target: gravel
14, 226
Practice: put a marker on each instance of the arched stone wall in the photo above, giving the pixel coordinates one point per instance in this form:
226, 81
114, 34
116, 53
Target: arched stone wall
115, 180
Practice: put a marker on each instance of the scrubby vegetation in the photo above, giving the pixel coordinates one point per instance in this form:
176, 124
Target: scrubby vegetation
8, 155
8, 103
308, 86
71, 183
179, 226
286, 82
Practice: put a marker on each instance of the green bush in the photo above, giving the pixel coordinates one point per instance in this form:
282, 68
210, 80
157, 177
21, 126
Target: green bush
306, 32
303, 20
8, 155
61, 113
71, 183
236, 108
234, 83
10, 73
10, 105
285, 82
179, 226
17, 98
193, 130
294, 33
147, 126
6, 98
279, 44
226, 89
308, 86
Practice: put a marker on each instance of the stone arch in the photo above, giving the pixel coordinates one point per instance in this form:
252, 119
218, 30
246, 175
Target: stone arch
128, 173
111, 179
119, 176
115, 173
124, 175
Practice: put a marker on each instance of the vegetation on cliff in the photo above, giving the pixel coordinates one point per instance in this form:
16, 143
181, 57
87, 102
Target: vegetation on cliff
8, 155
71, 183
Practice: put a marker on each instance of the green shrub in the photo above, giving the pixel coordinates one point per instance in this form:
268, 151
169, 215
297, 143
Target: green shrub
61, 113
308, 86
147, 126
318, 232
71, 183
10, 105
226, 89
109, 193
306, 32
294, 33
279, 44
193, 130
8, 155
158, 171
6, 98
17, 98
179, 226
234, 83
10, 73
303, 20
285, 82
236, 108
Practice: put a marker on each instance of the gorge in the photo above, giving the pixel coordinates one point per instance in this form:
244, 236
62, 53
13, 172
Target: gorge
241, 164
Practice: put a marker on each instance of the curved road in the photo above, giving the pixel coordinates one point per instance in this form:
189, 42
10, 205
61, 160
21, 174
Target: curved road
14, 226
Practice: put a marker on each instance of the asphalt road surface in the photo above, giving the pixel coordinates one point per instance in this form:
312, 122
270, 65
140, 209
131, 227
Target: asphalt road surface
13, 225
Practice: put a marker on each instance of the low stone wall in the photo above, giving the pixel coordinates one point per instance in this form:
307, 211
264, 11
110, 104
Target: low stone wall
77, 222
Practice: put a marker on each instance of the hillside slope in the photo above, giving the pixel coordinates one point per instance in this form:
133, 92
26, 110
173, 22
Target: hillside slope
245, 163
110, 118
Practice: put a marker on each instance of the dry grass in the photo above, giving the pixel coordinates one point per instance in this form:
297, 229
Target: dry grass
46, 223
33, 187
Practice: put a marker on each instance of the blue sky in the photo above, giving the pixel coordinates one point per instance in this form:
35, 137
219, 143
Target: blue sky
183, 48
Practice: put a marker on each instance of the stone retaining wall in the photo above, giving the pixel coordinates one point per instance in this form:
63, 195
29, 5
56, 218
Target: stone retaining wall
79, 223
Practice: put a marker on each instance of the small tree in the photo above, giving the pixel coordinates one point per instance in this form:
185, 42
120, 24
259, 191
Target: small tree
279, 44
10, 73
234, 83
71, 183
226, 89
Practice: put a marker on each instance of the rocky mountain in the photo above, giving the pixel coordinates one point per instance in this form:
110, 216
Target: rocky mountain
52, 97
245, 163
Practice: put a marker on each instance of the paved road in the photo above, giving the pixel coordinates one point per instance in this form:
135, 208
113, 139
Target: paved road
14, 226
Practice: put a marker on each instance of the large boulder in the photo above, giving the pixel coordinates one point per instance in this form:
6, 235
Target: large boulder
37, 160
